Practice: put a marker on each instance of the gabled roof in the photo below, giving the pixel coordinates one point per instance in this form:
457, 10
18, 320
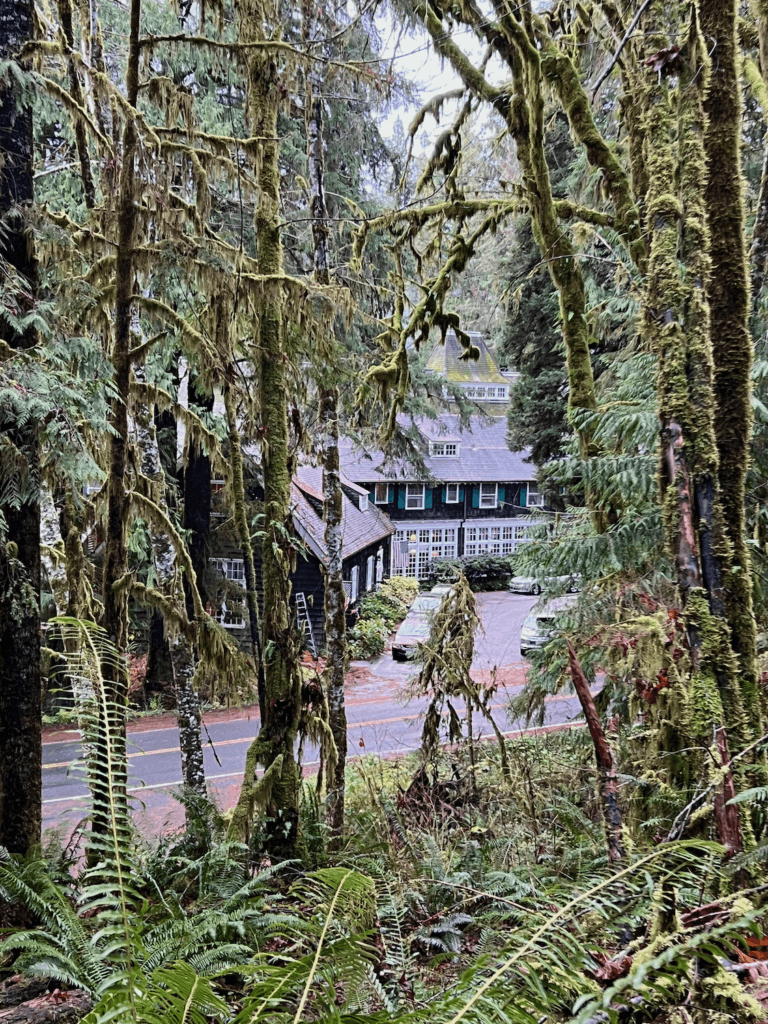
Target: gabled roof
445, 361
483, 455
359, 529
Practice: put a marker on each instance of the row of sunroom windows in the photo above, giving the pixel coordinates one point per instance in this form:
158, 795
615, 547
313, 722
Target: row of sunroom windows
416, 548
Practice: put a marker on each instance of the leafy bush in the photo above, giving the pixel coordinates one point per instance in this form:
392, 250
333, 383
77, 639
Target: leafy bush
405, 588
367, 638
483, 572
383, 605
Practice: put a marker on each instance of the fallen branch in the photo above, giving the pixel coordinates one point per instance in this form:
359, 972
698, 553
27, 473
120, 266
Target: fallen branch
607, 783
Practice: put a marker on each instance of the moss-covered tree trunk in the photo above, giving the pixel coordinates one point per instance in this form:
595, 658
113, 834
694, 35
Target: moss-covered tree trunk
118, 501
20, 684
240, 517
282, 677
678, 327
275, 745
333, 498
335, 599
728, 293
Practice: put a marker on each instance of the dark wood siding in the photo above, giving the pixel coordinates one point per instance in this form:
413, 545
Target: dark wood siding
436, 507
307, 578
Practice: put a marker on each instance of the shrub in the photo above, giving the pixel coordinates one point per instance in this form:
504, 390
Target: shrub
483, 572
383, 605
367, 638
404, 588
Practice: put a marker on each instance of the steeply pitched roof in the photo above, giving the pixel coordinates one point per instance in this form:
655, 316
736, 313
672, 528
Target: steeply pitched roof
483, 455
359, 529
444, 361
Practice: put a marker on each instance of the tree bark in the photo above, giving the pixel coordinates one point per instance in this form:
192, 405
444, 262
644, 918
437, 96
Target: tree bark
246, 545
283, 680
181, 652
20, 681
335, 600
333, 498
118, 502
606, 768
728, 294
727, 814
76, 91
759, 250
64, 1008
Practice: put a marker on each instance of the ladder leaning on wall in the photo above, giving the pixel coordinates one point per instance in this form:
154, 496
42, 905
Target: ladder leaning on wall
305, 623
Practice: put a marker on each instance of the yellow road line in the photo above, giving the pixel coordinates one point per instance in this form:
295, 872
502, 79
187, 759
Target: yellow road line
351, 726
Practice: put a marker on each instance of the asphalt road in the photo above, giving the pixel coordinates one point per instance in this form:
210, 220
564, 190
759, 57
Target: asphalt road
380, 721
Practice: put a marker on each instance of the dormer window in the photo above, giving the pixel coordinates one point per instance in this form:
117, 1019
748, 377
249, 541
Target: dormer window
443, 451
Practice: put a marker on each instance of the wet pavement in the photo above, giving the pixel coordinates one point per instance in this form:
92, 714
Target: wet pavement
381, 720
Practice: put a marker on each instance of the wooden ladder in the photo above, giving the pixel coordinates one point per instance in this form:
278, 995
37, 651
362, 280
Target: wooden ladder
305, 623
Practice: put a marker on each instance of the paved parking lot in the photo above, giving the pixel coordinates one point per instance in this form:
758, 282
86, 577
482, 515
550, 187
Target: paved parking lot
497, 644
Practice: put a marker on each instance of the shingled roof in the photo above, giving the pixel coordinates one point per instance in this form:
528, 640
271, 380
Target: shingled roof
359, 528
483, 455
445, 361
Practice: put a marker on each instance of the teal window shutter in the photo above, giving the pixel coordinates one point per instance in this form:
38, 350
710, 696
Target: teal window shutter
523, 495
427, 497
475, 497
371, 494
442, 495
390, 493
401, 497
500, 494
461, 494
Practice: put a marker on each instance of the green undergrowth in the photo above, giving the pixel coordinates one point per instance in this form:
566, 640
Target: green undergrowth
461, 893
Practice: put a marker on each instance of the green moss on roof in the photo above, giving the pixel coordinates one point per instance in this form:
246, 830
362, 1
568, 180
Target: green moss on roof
445, 360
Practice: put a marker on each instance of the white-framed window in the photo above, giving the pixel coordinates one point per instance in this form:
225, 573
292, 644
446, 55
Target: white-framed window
419, 547
232, 570
535, 498
370, 566
354, 579
451, 494
447, 450
470, 392
380, 565
414, 496
480, 392
497, 540
488, 496
381, 494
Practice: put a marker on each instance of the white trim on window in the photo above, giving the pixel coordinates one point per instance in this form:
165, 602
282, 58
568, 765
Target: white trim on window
534, 498
451, 494
369, 570
489, 495
381, 494
444, 449
233, 570
380, 565
414, 496
354, 581
416, 547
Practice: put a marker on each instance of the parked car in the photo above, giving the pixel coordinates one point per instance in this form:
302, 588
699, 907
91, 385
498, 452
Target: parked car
540, 625
441, 588
414, 629
532, 585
